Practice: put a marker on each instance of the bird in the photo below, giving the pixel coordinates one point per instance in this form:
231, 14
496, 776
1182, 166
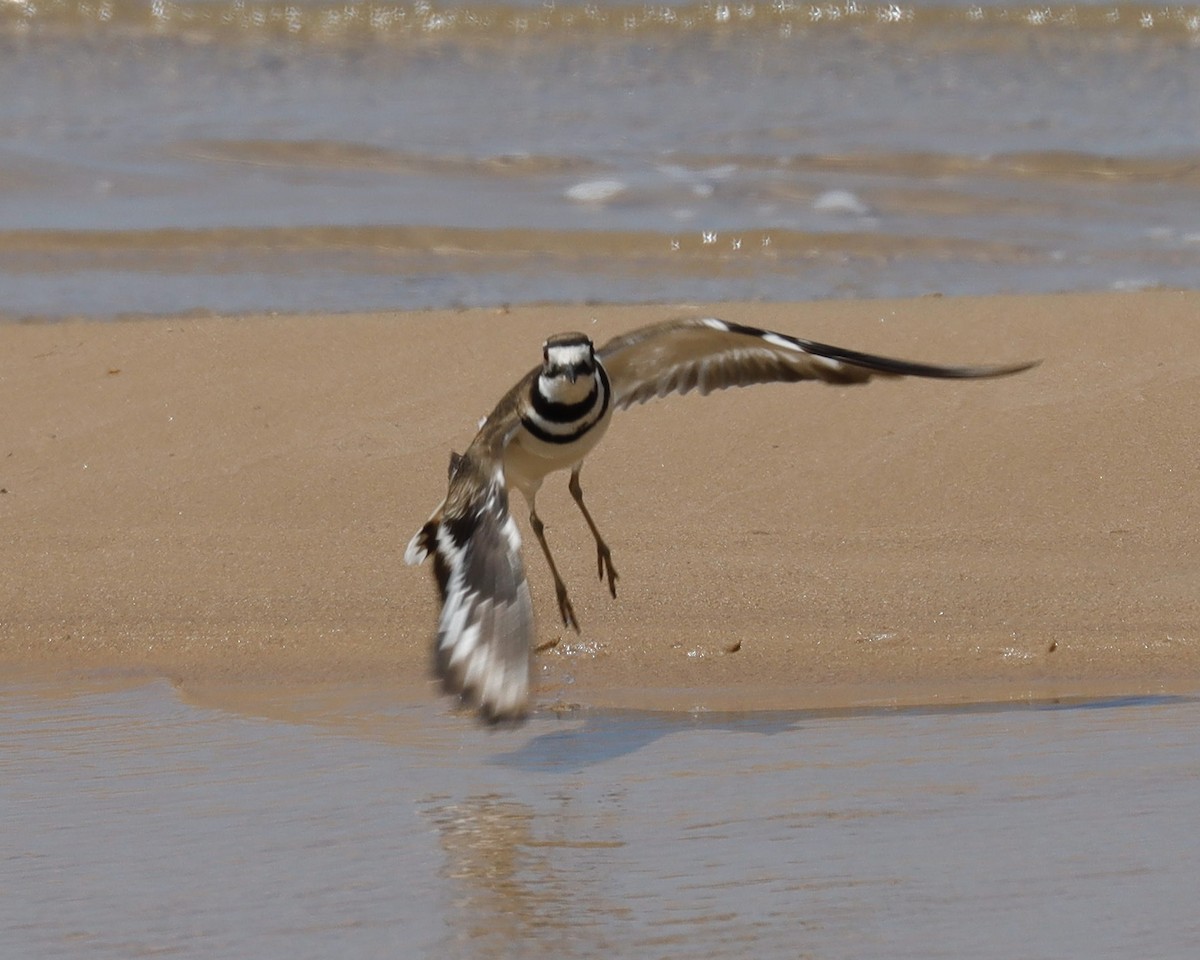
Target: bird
550, 421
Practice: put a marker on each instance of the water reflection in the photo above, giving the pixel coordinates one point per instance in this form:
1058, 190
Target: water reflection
505, 891
511, 886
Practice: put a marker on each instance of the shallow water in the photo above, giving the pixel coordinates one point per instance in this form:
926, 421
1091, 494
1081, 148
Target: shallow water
168, 156
138, 823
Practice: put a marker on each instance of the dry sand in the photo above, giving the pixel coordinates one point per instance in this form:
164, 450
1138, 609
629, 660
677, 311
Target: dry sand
227, 501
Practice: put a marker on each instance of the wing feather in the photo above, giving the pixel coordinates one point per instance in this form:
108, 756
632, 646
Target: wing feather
710, 354
485, 629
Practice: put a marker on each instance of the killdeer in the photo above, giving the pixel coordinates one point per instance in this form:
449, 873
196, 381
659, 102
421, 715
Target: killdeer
550, 421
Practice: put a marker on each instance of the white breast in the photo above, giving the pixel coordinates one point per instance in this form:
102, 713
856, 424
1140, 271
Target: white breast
529, 460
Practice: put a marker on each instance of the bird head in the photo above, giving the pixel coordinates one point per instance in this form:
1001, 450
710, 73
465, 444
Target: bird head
568, 358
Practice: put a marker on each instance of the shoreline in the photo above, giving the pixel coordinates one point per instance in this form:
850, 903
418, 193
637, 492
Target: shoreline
225, 502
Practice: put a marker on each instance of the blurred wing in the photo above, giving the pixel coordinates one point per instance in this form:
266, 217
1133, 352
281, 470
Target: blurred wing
485, 630
705, 355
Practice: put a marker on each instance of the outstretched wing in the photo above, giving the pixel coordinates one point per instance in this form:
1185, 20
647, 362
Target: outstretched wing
705, 355
485, 630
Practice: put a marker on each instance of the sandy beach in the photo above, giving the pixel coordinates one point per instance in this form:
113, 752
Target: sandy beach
226, 501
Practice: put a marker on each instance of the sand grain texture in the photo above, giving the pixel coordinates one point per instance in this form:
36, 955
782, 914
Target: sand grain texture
228, 500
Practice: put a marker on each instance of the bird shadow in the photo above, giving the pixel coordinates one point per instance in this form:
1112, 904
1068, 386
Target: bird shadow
608, 734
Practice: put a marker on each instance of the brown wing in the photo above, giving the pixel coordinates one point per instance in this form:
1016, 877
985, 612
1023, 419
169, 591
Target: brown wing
705, 355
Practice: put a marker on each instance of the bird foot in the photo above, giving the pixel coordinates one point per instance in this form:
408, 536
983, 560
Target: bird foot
605, 567
564, 607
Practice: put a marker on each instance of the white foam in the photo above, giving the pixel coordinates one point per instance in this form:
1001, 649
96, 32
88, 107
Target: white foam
841, 202
595, 191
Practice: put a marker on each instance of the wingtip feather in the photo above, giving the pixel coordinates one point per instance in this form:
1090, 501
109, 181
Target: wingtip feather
421, 545
485, 627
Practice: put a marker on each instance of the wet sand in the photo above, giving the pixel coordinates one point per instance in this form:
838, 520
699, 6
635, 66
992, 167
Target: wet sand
225, 502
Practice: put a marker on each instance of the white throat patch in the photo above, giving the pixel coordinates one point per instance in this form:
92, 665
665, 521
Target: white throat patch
555, 384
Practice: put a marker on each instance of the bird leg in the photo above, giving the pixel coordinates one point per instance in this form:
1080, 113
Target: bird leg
560, 588
604, 562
